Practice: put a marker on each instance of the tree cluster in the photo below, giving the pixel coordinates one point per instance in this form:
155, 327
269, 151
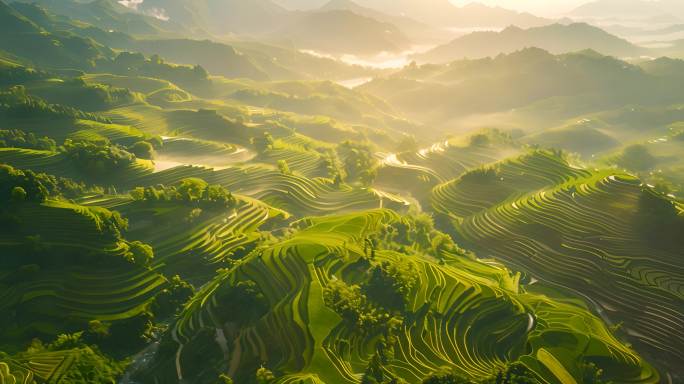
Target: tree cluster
637, 158
417, 232
515, 373
93, 97
20, 75
376, 374
89, 364
390, 285
263, 143
191, 191
16, 103
359, 162
97, 159
142, 149
482, 175
351, 304
136, 64
25, 185
247, 303
171, 299
19, 139
659, 220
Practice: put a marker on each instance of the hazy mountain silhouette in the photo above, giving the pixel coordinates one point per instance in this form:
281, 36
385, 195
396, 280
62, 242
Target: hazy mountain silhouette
410, 27
555, 38
342, 31
630, 8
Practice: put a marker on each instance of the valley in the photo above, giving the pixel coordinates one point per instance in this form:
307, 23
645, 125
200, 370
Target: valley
287, 192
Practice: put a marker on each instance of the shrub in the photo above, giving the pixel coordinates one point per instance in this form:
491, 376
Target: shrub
479, 140
264, 376
482, 175
283, 167
143, 150
18, 194
263, 143
139, 253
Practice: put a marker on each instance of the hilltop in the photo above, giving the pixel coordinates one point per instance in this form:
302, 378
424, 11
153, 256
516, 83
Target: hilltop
556, 38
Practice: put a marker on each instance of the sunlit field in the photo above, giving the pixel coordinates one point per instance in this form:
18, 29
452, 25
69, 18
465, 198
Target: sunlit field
341, 192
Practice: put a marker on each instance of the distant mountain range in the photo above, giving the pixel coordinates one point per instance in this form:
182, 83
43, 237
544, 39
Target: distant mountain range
415, 30
443, 13
343, 31
255, 16
332, 29
556, 38
636, 9
109, 14
448, 95
301, 5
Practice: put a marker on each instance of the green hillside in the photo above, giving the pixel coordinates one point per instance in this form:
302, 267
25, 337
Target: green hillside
189, 195
584, 231
328, 311
530, 90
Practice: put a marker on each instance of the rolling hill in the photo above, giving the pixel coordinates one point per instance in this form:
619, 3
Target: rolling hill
556, 38
531, 86
541, 214
307, 331
197, 201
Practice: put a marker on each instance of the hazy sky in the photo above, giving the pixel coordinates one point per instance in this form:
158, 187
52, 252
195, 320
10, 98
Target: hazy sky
546, 7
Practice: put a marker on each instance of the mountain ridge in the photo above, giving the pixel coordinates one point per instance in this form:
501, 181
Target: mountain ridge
556, 38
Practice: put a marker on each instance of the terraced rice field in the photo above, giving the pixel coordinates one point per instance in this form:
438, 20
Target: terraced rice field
418, 172
182, 150
464, 314
576, 229
58, 298
35, 160
193, 249
144, 117
56, 163
303, 162
295, 194
46, 367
